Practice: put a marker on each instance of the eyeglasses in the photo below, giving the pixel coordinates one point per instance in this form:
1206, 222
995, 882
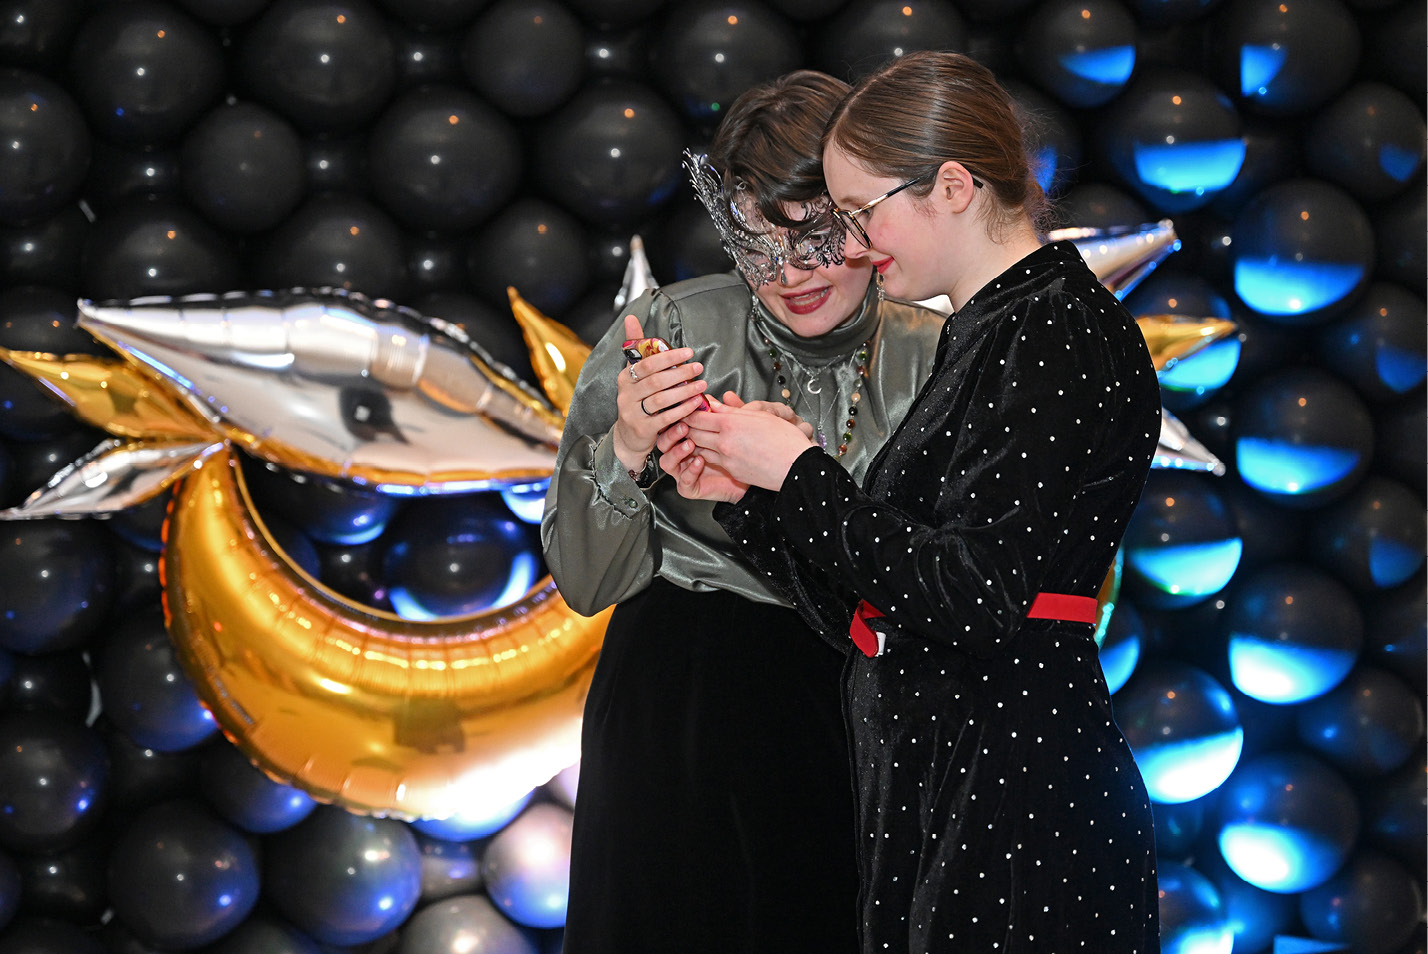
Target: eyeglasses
850, 218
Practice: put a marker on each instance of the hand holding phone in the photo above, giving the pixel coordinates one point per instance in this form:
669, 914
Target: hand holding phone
637, 349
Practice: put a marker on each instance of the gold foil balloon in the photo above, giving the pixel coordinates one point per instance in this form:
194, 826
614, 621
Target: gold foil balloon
1171, 338
332, 383
356, 706
557, 353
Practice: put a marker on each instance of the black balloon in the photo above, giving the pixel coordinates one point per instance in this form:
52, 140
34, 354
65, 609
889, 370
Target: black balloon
611, 155
592, 315
45, 252
1398, 38
1380, 344
425, 57
1396, 811
157, 247
145, 692
1368, 725
490, 326
436, 263
36, 33
525, 56
34, 462
142, 524
434, 14
448, 557
708, 53
685, 244
140, 776
223, 12
1053, 139
296, 545
136, 571
144, 71
54, 780
355, 572
35, 935
264, 935
1370, 140
120, 173
442, 160
535, 247
866, 33
246, 796
344, 878
68, 884
1374, 538
1097, 205
325, 511
1396, 634
51, 682
622, 51
180, 877
1284, 59
59, 584
1081, 53
243, 167
614, 12
1272, 152
1401, 228
47, 147
335, 240
337, 163
37, 318
9, 889
324, 64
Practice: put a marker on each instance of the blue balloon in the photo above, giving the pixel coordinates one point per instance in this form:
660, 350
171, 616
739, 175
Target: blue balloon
1369, 725
1302, 437
1174, 138
1294, 632
1380, 345
246, 796
1287, 821
1300, 250
1181, 546
1192, 915
1183, 728
1373, 905
344, 878
181, 878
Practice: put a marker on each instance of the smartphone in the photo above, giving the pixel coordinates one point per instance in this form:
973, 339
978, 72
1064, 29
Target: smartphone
637, 348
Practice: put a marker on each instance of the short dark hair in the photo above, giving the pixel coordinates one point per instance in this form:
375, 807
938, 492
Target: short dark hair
771, 140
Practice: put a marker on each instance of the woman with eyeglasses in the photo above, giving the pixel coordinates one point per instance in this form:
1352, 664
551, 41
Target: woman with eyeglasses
714, 808
1000, 810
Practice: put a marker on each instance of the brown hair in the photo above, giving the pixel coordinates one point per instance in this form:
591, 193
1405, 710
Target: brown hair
926, 107
771, 140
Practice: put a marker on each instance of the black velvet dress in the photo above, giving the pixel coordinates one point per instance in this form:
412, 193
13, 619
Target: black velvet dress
1000, 809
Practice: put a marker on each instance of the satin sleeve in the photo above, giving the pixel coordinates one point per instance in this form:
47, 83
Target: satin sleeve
597, 530
1004, 444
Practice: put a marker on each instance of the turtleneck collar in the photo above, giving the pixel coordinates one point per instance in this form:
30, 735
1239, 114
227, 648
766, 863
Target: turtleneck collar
838, 342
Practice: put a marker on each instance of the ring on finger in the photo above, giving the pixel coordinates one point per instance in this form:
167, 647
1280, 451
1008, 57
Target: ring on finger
633, 375
648, 413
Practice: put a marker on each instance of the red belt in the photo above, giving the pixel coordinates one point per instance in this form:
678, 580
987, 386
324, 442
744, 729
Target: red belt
1062, 606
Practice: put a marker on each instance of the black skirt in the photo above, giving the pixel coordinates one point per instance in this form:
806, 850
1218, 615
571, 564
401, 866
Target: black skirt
714, 811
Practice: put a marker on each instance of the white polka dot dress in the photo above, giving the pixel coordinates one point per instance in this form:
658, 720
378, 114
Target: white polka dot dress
999, 807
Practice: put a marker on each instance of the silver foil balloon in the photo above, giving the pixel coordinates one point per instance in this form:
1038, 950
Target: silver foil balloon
527, 866
639, 277
1178, 450
467, 924
116, 475
1120, 258
334, 383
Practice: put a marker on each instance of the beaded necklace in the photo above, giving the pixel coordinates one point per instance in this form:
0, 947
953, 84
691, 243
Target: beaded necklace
785, 392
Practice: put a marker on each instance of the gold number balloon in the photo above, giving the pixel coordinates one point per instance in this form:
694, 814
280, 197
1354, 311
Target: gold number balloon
356, 706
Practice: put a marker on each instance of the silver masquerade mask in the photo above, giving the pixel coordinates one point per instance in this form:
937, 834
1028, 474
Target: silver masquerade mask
761, 250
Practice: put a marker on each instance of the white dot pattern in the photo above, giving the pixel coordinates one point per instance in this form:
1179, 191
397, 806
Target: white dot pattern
1000, 809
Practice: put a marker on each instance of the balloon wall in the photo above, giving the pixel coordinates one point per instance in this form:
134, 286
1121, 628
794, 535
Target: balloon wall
1268, 647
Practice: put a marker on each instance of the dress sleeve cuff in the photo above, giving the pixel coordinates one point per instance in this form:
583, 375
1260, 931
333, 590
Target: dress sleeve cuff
614, 482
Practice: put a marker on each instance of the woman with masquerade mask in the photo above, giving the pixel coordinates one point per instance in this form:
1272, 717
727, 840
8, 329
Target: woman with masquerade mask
999, 806
714, 804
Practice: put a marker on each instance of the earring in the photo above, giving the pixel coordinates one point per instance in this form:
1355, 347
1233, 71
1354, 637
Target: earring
881, 296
